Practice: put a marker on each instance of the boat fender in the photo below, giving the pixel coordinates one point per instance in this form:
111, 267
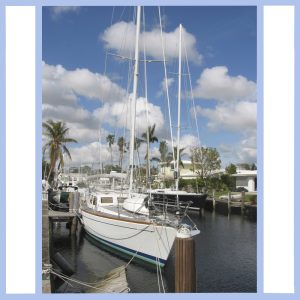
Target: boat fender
146, 201
63, 264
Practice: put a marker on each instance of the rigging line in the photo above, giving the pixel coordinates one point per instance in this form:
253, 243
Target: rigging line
146, 96
157, 274
194, 109
160, 274
123, 11
62, 278
192, 94
60, 273
136, 252
166, 82
81, 282
187, 107
106, 52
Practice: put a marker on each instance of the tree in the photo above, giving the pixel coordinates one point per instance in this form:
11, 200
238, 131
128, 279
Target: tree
253, 167
231, 169
205, 160
110, 139
170, 156
86, 170
137, 145
163, 150
149, 138
244, 166
57, 138
152, 137
122, 149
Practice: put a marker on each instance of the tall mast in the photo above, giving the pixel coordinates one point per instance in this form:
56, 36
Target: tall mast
134, 96
179, 105
100, 148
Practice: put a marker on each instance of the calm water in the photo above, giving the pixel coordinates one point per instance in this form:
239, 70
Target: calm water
226, 258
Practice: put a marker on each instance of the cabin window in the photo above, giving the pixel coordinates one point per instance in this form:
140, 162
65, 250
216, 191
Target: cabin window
94, 200
121, 199
106, 200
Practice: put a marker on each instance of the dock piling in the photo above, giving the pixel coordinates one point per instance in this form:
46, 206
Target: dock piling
243, 203
229, 203
185, 267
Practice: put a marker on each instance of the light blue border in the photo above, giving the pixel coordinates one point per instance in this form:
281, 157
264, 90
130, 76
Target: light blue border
259, 5
38, 148
2, 154
297, 150
260, 149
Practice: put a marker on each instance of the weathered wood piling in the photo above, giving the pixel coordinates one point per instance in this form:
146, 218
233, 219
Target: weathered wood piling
46, 276
185, 265
229, 203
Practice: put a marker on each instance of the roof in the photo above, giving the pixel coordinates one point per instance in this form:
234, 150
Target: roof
242, 173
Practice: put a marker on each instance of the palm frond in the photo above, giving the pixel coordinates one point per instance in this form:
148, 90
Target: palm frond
66, 150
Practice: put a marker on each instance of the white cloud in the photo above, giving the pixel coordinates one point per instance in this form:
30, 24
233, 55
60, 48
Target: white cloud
238, 117
57, 11
61, 86
90, 153
187, 141
215, 83
61, 91
118, 115
121, 38
243, 151
163, 87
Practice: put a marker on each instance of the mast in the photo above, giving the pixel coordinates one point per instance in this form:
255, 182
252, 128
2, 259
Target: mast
100, 148
134, 96
179, 105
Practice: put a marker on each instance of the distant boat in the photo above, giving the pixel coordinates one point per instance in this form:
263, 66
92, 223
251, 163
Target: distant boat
194, 200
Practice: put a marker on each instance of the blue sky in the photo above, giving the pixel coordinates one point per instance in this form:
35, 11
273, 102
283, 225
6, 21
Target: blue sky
87, 88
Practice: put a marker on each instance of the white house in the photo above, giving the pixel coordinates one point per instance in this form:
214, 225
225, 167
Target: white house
246, 179
166, 171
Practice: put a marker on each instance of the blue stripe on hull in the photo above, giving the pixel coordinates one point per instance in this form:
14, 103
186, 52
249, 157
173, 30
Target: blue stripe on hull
145, 257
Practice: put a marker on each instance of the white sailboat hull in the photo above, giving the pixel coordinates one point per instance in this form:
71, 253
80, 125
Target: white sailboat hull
147, 241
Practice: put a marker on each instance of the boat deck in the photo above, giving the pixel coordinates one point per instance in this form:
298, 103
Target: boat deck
115, 212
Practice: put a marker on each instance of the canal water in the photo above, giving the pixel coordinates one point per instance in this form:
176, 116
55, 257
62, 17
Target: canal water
225, 255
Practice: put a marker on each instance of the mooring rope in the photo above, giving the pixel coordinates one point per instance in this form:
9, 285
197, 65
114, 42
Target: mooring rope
89, 285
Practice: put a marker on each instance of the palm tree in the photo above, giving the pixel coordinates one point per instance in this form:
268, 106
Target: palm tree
110, 139
57, 136
122, 149
152, 137
137, 145
170, 156
163, 149
149, 138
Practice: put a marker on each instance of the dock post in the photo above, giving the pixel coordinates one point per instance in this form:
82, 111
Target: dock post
46, 249
243, 203
229, 203
73, 225
71, 201
185, 264
214, 199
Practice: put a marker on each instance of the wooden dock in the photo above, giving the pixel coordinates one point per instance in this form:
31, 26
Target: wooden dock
114, 282
46, 282
231, 204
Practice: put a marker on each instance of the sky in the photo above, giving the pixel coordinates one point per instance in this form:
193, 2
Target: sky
88, 87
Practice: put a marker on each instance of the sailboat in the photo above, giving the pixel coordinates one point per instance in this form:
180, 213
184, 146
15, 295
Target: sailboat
176, 197
125, 223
